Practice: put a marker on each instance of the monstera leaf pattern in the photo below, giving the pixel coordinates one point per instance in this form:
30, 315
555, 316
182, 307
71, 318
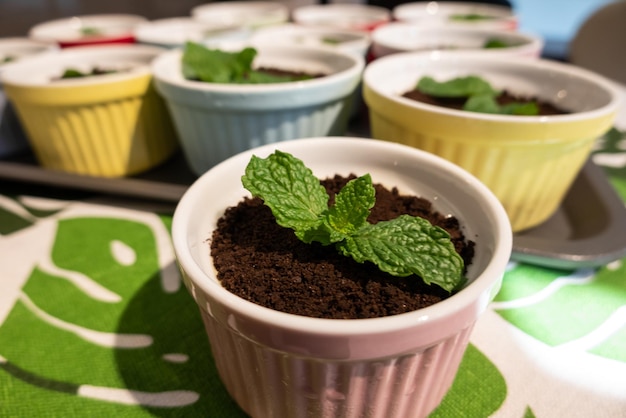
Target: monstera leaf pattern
102, 323
584, 309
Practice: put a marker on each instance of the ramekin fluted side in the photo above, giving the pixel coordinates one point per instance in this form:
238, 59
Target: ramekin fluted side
269, 383
209, 137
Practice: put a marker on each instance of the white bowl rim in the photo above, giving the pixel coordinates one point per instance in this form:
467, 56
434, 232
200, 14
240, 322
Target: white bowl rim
469, 56
45, 30
390, 37
503, 12
314, 29
358, 64
305, 13
25, 40
361, 41
240, 5
11, 72
265, 8
348, 327
399, 26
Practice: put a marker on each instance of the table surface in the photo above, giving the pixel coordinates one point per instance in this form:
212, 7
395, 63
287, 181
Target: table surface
95, 321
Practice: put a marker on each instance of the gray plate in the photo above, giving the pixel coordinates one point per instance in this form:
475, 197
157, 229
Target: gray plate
588, 230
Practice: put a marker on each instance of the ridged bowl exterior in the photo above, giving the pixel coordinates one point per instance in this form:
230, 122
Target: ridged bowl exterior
209, 137
276, 364
270, 383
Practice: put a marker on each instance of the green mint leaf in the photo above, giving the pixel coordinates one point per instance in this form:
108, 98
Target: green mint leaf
214, 65
488, 104
470, 17
495, 43
295, 196
408, 245
403, 246
522, 109
90, 31
257, 77
73, 73
456, 87
352, 207
331, 40
482, 103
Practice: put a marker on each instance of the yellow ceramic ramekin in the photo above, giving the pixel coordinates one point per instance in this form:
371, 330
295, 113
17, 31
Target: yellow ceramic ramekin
529, 162
109, 125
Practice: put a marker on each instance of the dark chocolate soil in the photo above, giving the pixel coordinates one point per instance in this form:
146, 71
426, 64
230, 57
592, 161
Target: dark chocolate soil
265, 263
505, 97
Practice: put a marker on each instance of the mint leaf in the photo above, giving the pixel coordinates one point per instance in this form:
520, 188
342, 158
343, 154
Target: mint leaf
481, 96
456, 87
408, 245
482, 103
403, 246
73, 73
295, 196
216, 66
352, 207
495, 43
90, 31
522, 109
488, 104
470, 17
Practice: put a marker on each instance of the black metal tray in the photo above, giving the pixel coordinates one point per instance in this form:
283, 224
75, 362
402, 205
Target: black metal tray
588, 230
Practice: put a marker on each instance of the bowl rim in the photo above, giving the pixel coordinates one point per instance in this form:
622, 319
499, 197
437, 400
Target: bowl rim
45, 30
268, 9
304, 14
394, 60
11, 72
170, 57
294, 28
346, 327
530, 40
34, 46
503, 12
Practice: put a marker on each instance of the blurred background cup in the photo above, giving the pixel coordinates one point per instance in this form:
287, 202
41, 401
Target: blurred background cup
217, 120
174, 32
107, 125
88, 30
406, 37
345, 16
348, 40
248, 14
457, 14
529, 162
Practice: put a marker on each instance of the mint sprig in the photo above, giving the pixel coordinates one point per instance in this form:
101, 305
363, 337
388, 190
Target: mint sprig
402, 247
456, 87
200, 63
480, 95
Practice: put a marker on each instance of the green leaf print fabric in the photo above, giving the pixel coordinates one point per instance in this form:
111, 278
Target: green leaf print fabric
95, 322
103, 324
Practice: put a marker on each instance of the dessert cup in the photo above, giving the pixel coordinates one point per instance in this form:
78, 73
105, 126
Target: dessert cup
276, 364
108, 125
529, 162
